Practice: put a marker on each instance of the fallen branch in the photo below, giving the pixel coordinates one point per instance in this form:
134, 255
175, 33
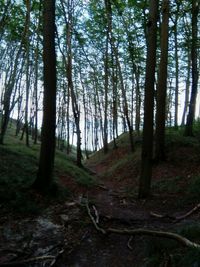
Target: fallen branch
188, 213
93, 220
129, 243
178, 218
162, 216
23, 262
140, 231
96, 214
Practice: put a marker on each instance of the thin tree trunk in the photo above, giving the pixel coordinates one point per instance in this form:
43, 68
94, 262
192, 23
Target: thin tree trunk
195, 75
75, 108
187, 89
28, 7
36, 78
176, 67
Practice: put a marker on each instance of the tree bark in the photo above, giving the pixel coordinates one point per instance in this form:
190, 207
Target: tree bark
194, 57
47, 151
162, 86
147, 145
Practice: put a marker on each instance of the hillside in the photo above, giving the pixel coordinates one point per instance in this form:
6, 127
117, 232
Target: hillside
18, 170
179, 173
57, 230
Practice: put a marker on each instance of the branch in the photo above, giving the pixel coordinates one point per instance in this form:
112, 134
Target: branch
96, 214
178, 218
188, 213
99, 229
140, 231
162, 216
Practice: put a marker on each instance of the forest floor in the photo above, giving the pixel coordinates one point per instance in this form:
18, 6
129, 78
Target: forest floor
63, 235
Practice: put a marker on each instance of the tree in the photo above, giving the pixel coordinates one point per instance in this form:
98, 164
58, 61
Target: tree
147, 145
162, 85
195, 75
69, 20
176, 63
11, 81
47, 151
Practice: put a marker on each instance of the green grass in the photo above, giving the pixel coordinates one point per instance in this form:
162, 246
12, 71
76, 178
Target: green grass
18, 169
177, 138
168, 185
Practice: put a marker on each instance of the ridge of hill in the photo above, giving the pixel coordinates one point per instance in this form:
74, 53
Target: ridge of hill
180, 172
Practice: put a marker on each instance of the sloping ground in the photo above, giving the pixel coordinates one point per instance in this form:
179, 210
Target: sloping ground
61, 232
120, 168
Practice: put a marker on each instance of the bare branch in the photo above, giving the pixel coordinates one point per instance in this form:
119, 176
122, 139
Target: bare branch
140, 231
178, 218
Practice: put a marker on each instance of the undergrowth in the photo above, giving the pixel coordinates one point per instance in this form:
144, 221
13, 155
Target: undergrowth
159, 251
18, 170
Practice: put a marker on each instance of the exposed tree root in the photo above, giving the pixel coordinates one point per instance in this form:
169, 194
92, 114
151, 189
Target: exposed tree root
141, 231
94, 221
178, 218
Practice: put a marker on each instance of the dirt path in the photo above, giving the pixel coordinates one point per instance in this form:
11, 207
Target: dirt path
66, 232
117, 210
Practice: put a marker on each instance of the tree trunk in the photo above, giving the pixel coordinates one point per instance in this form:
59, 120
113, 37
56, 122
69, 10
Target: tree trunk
105, 126
76, 112
36, 78
187, 89
47, 150
28, 10
194, 57
162, 86
147, 145
176, 67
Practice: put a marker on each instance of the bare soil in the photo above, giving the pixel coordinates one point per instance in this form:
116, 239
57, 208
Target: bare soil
66, 231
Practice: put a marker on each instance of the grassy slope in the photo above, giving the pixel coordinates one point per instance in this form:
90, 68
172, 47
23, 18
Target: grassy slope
181, 171
18, 168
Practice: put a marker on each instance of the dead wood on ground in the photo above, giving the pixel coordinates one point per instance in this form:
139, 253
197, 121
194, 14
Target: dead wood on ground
176, 218
141, 231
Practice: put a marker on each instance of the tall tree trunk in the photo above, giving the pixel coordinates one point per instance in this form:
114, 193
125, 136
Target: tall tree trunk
176, 66
36, 77
138, 101
195, 75
28, 10
76, 112
125, 103
105, 126
147, 145
114, 104
106, 70
9, 86
47, 150
162, 86
187, 89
